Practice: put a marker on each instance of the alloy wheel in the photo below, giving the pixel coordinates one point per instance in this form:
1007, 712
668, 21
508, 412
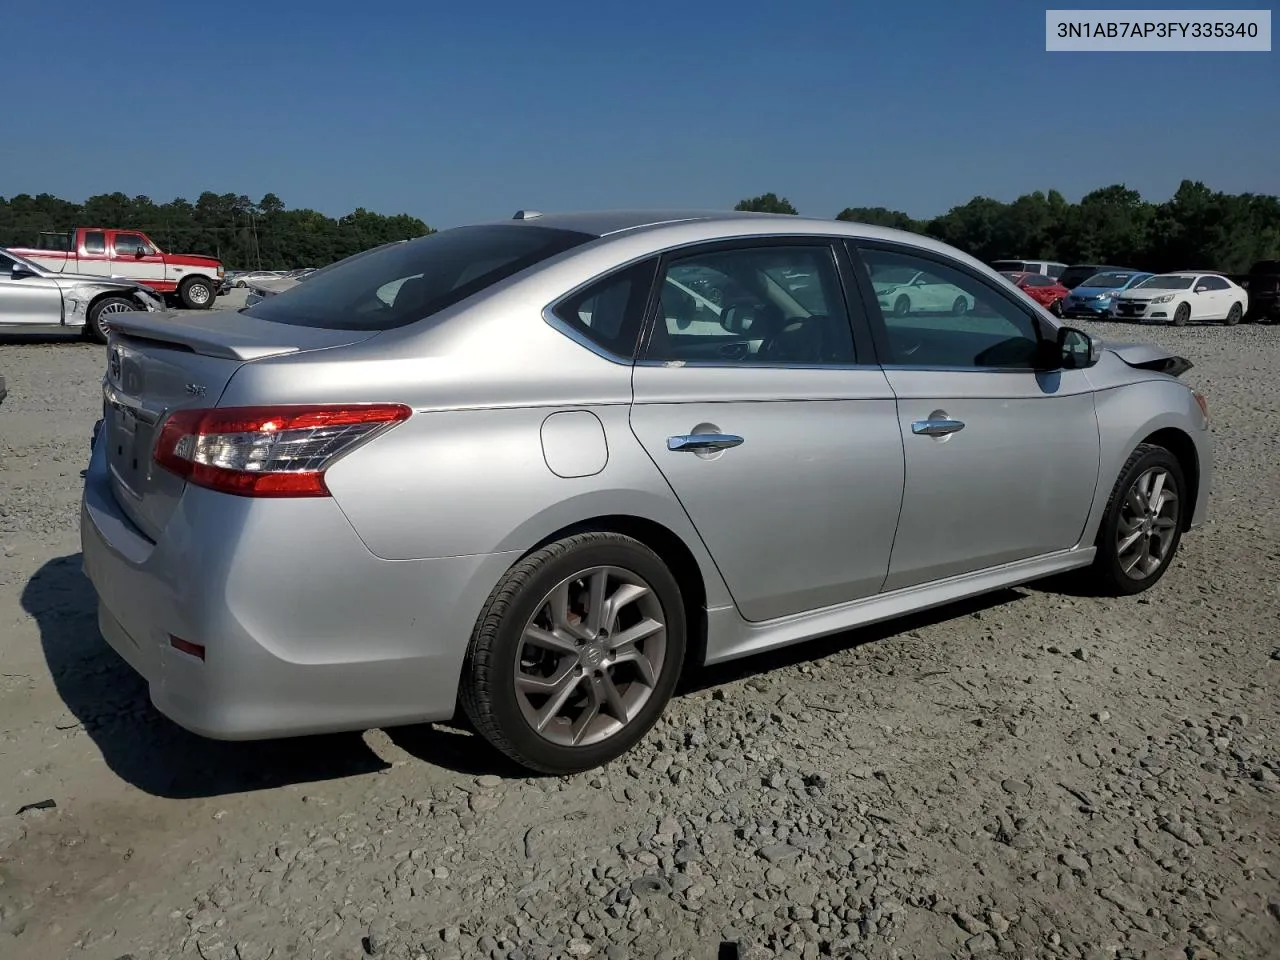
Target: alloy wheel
590, 657
1148, 523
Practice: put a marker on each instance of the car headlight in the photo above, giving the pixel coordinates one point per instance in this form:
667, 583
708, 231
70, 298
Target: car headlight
1164, 299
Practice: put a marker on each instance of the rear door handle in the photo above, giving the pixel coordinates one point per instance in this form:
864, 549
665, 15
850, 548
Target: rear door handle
936, 428
703, 441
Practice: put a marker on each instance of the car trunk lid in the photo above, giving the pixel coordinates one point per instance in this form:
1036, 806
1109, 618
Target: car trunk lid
159, 363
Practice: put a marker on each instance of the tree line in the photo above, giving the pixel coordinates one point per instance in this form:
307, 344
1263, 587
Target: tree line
1195, 229
243, 234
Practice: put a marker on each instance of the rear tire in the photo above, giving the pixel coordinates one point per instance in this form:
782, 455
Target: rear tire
97, 321
196, 293
1142, 525
1181, 315
1234, 315
607, 693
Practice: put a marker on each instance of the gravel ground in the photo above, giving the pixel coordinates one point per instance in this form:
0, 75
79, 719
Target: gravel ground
1035, 774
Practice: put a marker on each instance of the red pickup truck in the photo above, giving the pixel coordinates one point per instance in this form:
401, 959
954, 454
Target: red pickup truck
97, 251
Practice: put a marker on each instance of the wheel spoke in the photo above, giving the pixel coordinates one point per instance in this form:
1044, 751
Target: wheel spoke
589, 713
1153, 496
633, 635
1135, 501
596, 606
562, 616
644, 666
625, 594
549, 640
1165, 523
611, 697
545, 685
1128, 542
559, 697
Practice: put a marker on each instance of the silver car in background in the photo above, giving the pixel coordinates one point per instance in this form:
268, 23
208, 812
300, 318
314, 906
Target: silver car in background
32, 296
538, 467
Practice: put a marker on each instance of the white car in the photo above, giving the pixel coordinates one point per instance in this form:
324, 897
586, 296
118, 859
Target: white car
1177, 298
905, 291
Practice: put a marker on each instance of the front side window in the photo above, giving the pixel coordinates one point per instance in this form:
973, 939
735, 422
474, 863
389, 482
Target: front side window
95, 242
1213, 283
408, 282
129, 245
945, 317
753, 305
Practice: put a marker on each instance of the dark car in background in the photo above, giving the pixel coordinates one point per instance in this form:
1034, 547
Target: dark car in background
1077, 273
1262, 283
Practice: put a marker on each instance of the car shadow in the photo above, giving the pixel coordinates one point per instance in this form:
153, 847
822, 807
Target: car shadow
808, 651
140, 745
41, 338
146, 749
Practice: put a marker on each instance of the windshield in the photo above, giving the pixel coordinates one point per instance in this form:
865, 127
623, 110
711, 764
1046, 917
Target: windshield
20, 261
1170, 282
1107, 280
407, 282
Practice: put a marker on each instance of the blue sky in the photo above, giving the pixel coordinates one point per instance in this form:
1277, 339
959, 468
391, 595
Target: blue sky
458, 112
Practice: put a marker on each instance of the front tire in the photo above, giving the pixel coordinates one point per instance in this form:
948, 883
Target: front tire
960, 307
902, 306
1182, 315
1142, 526
196, 293
1234, 315
576, 653
98, 323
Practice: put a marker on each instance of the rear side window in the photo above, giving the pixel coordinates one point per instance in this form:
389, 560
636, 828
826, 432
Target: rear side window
408, 282
610, 311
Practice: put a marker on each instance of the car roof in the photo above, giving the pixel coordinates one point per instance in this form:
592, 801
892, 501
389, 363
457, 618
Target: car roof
602, 223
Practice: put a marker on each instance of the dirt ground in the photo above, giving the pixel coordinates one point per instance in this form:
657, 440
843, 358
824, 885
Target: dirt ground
1035, 774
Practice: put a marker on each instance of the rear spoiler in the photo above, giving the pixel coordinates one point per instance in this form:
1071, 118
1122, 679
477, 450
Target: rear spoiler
1144, 356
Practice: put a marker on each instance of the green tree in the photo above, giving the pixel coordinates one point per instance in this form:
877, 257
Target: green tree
767, 203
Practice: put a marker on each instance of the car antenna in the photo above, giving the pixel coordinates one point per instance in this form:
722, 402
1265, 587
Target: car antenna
527, 215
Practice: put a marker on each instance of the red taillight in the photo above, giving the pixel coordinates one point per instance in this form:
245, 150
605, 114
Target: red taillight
268, 451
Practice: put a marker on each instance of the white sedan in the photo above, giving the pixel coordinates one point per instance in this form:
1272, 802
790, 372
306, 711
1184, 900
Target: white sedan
1180, 297
902, 292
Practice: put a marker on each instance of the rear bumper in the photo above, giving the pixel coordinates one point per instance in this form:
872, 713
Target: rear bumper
304, 630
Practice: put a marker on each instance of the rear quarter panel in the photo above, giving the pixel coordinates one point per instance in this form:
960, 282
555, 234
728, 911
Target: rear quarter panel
1132, 406
468, 473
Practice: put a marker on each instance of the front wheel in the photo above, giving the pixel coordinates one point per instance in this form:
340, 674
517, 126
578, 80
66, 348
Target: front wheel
1234, 314
902, 306
576, 653
97, 324
1056, 308
1181, 315
1142, 525
196, 293
960, 306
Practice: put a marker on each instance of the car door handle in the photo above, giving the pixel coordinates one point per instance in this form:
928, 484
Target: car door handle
936, 428
703, 441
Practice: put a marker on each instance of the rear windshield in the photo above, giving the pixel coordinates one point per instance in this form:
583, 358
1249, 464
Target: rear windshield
407, 282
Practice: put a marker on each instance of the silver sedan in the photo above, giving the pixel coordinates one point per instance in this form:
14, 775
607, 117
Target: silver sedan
32, 296
537, 468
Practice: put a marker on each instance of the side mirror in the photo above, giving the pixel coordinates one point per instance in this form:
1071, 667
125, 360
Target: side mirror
139, 253
1077, 349
18, 272
1201, 289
